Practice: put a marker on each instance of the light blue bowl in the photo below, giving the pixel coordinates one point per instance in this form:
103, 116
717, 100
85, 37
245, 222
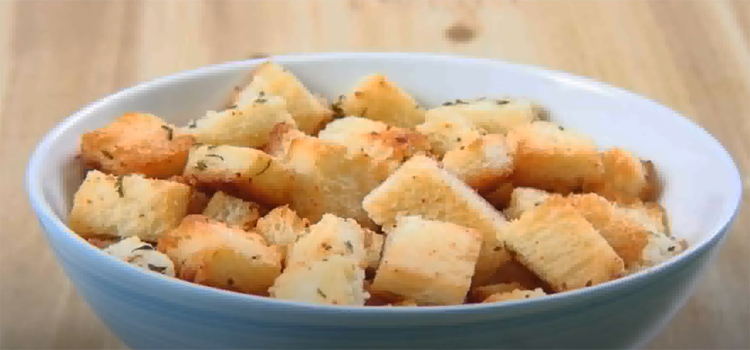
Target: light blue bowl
148, 311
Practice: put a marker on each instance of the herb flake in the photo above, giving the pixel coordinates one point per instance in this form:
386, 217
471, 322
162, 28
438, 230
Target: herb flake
201, 165
107, 154
268, 165
144, 247
119, 187
215, 156
323, 295
170, 132
159, 269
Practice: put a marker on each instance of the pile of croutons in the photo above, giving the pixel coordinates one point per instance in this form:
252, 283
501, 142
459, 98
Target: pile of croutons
372, 200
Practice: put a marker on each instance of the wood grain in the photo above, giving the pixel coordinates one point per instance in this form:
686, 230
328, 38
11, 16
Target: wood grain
56, 56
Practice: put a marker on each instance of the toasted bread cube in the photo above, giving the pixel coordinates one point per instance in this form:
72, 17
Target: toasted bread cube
249, 125
310, 112
430, 262
376, 139
281, 138
330, 180
337, 280
659, 248
447, 131
211, 253
480, 294
141, 254
523, 199
517, 294
378, 99
638, 247
561, 247
136, 143
500, 196
651, 216
483, 164
245, 172
625, 178
496, 116
373, 243
552, 158
232, 211
330, 236
127, 205
281, 227
421, 187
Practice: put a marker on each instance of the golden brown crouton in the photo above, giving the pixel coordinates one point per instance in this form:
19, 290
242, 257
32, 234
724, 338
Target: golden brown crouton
625, 178
376, 139
281, 227
337, 280
517, 294
136, 143
421, 187
232, 211
552, 158
127, 205
211, 253
523, 199
141, 254
496, 116
241, 171
330, 236
270, 79
561, 247
479, 294
638, 247
328, 179
378, 99
249, 125
430, 262
446, 131
483, 164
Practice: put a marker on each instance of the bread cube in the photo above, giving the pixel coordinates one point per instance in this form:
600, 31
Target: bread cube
625, 178
483, 164
232, 211
330, 236
430, 262
448, 131
336, 280
141, 254
523, 199
310, 112
518, 294
136, 143
495, 116
651, 216
127, 205
211, 253
281, 227
421, 187
378, 99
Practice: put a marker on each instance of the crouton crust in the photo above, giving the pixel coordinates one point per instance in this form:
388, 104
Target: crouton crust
483, 164
379, 99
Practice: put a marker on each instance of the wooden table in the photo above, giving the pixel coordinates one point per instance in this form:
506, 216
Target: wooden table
56, 56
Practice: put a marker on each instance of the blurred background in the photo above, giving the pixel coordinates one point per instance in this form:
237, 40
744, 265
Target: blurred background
57, 56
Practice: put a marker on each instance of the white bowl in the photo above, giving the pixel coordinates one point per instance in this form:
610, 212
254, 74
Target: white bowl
147, 311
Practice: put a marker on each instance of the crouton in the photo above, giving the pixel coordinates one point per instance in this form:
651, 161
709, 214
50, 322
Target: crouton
517, 294
562, 248
479, 294
624, 179
446, 132
330, 236
483, 164
249, 125
496, 116
141, 254
421, 187
330, 180
638, 247
500, 196
552, 158
136, 143
270, 79
281, 227
232, 211
281, 138
378, 99
127, 205
337, 280
430, 262
244, 172
651, 216
373, 243
659, 248
211, 253
523, 199
376, 139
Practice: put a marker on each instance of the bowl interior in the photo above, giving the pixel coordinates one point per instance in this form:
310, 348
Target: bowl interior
701, 183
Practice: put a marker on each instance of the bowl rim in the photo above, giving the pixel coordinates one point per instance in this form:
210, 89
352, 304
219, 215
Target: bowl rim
44, 212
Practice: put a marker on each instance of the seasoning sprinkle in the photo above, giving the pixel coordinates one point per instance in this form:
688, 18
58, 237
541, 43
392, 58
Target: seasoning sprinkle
192, 124
215, 156
107, 154
119, 187
201, 165
159, 269
170, 132
349, 246
320, 292
144, 247
268, 165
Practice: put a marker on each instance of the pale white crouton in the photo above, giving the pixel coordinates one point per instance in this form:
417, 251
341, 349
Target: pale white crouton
447, 131
330, 236
232, 211
244, 172
496, 116
421, 187
141, 254
310, 112
378, 99
523, 199
136, 143
127, 205
337, 280
281, 227
483, 164
249, 125
430, 262
518, 294
211, 253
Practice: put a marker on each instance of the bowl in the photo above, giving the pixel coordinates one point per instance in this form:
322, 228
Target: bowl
702, 192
